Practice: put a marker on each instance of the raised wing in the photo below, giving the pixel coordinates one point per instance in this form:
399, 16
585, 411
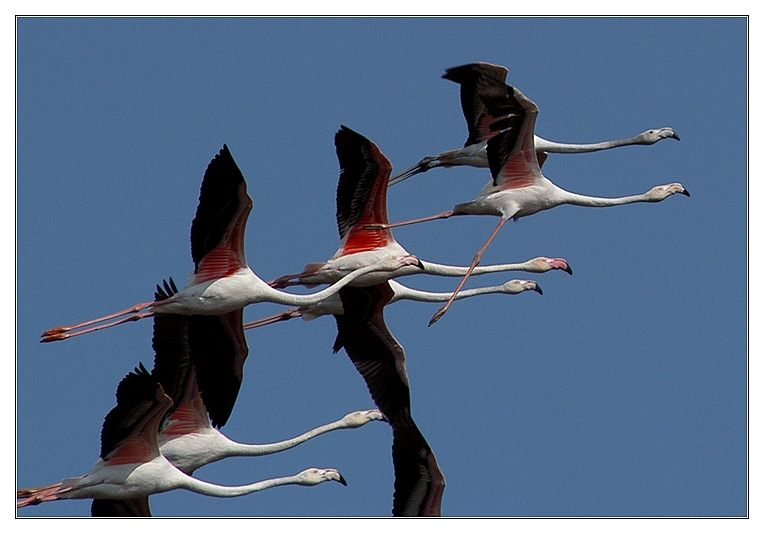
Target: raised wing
361, 192
217, 231
481, 89
130, 430
512, 156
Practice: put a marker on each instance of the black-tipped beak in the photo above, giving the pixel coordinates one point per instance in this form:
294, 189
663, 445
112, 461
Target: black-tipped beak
686, 193
343, 481
569, 270
675, 136
538, 289
420, 264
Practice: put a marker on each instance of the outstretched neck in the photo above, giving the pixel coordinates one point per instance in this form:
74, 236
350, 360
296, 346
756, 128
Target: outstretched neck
213, 490
251, 449
578, 148
406, 293
439, 269
601, 202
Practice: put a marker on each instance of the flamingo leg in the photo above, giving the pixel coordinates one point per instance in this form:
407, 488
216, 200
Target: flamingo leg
442, 215
284, 316
132, 309
475, 261
58, 335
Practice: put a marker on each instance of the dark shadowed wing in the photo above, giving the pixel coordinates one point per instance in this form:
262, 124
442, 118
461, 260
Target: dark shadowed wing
209, 349
138, 507
381, 360
141, 404
481, 90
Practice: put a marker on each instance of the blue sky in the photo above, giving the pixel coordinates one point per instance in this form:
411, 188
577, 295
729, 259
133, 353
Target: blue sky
619, 392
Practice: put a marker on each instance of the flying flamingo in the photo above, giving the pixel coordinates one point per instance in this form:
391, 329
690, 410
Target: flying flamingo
362, 201
222, 280
518, 188
381, 361
131, 465
333, 305
199, 361
481, 94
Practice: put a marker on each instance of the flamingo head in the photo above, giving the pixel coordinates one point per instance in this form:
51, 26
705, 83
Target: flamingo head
648, 137
543, 264
314, 476
661, 192
358, 419
513, 287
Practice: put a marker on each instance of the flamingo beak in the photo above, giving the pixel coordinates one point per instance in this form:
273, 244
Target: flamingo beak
686, 193
675, 136
342, 480
538, 289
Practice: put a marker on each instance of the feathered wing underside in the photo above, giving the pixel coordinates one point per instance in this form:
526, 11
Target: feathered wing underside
361, 192
512, 156
419, 482
217, 231
138, 507
218, 351
381, 361
172, 359
376, 354
130, 429
200, 359
481, 92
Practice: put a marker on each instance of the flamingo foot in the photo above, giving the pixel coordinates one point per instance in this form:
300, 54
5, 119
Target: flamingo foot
437, 315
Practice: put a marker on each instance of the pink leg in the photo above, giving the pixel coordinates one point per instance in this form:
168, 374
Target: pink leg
285, 316
132, 309
286, 281
32, 496
443, 215
47, 337
475, 262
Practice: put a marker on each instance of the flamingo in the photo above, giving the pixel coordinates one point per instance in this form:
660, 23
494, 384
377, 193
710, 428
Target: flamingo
333, 305
222, 280
518, 187
381, 361
199, 361
481, 93
362, 201
131, 465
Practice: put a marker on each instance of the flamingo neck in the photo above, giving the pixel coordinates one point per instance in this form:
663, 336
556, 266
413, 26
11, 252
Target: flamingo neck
439, 269
215, 490
402, 292
579, 148
601, 202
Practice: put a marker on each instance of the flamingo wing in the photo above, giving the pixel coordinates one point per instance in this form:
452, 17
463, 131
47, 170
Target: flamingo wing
217, 231
218, 351
130, 430
512, 156
138, 507
480, 90
381, 361
200, 359
361, 192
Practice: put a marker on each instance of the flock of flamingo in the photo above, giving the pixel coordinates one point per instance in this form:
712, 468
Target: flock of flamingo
166, 423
